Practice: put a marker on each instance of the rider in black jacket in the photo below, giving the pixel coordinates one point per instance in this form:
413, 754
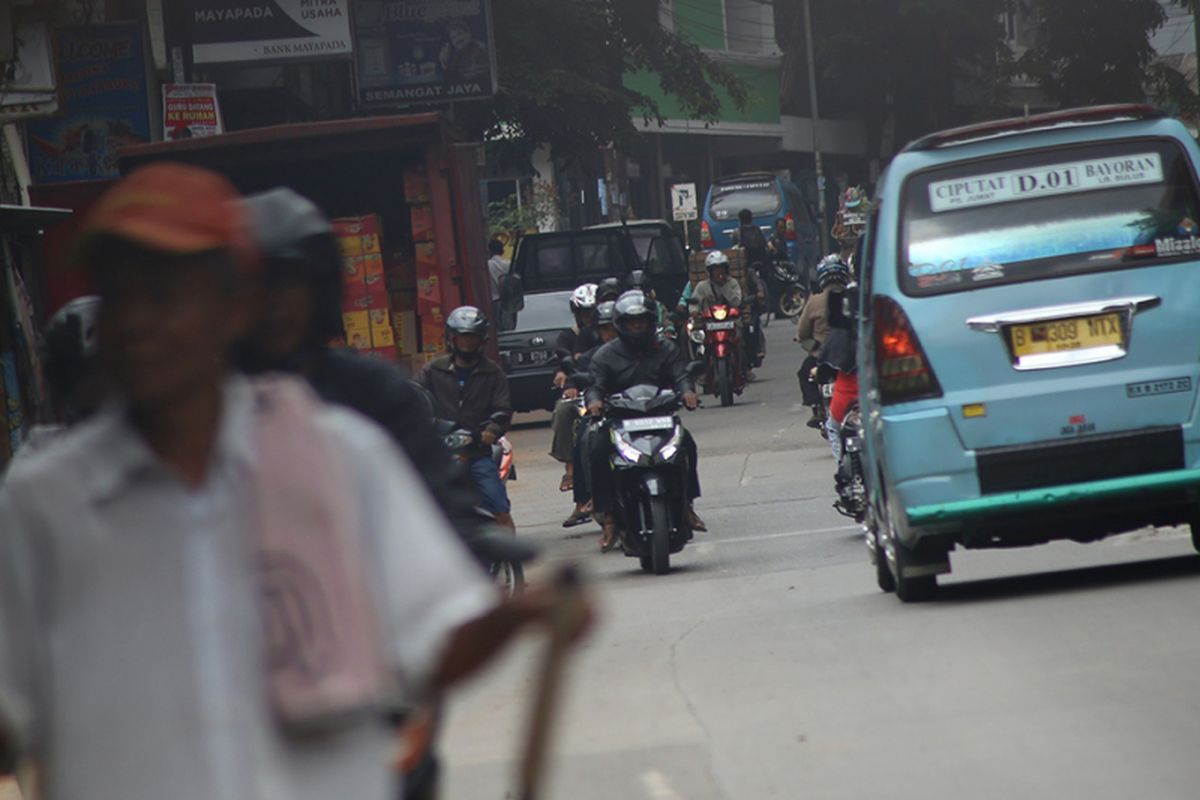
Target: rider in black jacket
636, 357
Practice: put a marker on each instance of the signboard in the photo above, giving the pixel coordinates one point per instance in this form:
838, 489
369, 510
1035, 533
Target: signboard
683, 202
423, 51
104, 105
1052, 179
28, 81
230, 31
190, 110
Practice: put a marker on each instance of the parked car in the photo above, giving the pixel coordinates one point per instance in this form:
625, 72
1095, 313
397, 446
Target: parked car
527, 349
769, 197
563, 260
1026, 368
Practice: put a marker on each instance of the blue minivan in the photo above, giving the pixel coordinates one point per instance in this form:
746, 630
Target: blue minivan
769, 197
1028, 345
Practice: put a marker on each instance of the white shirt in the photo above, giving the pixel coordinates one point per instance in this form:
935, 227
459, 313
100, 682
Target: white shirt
130, 634
497, 269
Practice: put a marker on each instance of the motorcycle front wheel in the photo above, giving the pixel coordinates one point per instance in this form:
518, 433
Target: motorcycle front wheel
724, 382
660, 536
791, 301
509, 576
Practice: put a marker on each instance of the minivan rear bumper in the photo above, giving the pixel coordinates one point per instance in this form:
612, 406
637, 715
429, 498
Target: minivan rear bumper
1052, 498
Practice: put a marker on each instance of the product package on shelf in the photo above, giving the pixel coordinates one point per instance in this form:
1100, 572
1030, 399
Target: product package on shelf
416, 186
366, 306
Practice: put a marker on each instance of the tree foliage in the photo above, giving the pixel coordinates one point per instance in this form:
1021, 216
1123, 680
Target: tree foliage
562, 64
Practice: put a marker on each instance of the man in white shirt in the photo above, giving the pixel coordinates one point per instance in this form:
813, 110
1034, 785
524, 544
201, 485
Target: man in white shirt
131, 628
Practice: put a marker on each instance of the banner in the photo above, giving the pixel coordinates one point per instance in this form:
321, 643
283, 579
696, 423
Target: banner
190, 110
104, 103
27, 83
225, 31
423, 51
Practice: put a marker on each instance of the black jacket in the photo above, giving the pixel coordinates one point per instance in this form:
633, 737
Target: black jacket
471, 406
384, 393
614, 368
569, 341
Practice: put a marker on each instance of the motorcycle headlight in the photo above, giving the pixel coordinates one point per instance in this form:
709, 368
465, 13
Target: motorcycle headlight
672, 446
720, 312
697, 336
458, 441
626, 449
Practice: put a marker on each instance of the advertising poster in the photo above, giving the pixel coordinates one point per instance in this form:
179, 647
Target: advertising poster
230, 31
29, 87
104, 105
190, 110
423, 51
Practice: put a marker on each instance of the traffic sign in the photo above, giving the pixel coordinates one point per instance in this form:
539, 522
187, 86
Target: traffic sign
683, 201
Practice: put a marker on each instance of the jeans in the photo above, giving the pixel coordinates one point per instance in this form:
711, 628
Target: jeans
493, 496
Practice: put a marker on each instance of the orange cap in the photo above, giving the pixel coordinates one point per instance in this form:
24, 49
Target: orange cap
172, 208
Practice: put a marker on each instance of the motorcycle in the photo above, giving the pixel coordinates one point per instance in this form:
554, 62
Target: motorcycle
850, 479
788, 292
650, 474
721, 347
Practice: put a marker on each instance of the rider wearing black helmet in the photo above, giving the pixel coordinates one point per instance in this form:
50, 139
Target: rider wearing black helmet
471, 390
638, 356
812, 330
302, 313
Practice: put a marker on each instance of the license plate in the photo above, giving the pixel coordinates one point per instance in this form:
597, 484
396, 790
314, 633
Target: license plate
532, 357
1062, 335
719, 326
648, 424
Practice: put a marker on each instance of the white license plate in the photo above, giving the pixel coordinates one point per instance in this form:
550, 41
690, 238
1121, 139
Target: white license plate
719, 326
648, 424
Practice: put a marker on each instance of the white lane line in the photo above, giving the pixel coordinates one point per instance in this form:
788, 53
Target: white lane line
788, 535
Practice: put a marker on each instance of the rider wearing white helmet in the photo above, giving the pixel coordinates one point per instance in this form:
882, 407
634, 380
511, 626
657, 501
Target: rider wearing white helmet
571, 343
719, 288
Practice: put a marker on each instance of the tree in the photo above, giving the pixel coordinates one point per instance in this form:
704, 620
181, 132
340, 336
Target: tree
902, 67
562, 65
1099, 51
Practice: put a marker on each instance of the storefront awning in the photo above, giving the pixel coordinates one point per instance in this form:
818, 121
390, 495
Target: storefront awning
30, 219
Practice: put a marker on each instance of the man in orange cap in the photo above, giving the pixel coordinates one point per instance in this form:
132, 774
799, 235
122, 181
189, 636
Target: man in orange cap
148, 645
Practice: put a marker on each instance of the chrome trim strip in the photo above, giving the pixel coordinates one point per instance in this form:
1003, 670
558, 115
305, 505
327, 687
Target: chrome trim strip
991, 323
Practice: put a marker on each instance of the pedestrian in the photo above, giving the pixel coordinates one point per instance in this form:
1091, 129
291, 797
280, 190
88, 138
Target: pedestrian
498, 267
471, 390
155, 558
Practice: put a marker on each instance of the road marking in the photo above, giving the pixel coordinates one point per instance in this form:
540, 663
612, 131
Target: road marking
658, 787
788, 535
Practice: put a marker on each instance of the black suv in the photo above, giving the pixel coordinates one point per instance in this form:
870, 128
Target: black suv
527, 349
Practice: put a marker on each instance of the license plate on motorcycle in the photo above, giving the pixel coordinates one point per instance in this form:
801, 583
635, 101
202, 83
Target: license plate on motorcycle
648, 424
720, 326
1079, 333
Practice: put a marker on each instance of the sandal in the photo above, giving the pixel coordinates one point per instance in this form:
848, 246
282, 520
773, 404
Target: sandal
608, 539
566, 484
576, 518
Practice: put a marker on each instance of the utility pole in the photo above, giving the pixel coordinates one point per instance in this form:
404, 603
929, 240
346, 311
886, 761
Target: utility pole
816, 118
1196, 33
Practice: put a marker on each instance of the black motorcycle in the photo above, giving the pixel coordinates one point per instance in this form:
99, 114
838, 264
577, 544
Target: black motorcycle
788, 292
650, 474
850, 479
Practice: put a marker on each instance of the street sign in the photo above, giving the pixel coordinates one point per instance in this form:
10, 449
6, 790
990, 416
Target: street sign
683, 201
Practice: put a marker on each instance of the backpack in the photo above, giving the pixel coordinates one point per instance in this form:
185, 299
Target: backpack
752, 239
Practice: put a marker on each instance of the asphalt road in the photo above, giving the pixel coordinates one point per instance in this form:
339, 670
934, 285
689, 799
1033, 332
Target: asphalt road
768, 664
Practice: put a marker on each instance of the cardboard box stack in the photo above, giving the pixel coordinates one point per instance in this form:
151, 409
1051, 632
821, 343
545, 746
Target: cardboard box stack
366, 307
429, 314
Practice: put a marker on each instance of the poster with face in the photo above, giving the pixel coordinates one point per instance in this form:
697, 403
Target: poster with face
423, 51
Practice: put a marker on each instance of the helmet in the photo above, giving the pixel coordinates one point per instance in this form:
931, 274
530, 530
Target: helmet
630, 305
296, 241
583, 297
853, 197
465, 320
606, 313
638, 280
68, 348
608, 289
716, 259
832, 270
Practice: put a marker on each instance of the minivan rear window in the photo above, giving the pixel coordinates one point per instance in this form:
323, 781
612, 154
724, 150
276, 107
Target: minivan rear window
761, 196
1046, 214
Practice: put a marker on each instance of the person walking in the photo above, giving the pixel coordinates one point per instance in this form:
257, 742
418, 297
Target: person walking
210, 588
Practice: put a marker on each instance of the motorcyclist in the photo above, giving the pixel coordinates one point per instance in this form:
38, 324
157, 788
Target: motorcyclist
719, 288
845, 231
812, 329
302, 312
609, 289
750, 238
570, 344
578, 382
636, 357
471, 390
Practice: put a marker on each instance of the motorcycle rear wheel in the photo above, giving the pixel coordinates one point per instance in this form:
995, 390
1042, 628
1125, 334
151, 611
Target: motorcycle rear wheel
724, 382
509, 576
791, 301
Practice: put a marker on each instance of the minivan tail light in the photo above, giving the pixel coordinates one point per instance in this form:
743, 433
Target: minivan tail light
791, 227
706, 240
904, 370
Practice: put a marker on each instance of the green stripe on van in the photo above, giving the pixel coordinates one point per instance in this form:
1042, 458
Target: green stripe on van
1033, 499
